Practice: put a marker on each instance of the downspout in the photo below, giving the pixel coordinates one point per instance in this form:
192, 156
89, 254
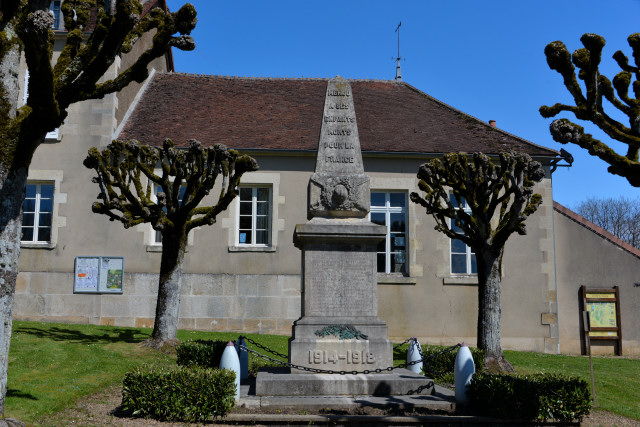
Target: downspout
555, 267
568, 158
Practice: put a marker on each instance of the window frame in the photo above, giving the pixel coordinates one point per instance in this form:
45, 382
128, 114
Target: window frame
36, 213
57, 14
156, 235
387, 209
254, 216
469, 254
53, 135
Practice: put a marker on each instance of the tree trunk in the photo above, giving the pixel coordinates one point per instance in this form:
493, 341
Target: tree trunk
165, 327
13, 177
489, 310
12, 186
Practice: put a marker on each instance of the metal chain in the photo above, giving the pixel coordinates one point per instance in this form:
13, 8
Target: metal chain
403, 343
329, 371
257, 344
433, 356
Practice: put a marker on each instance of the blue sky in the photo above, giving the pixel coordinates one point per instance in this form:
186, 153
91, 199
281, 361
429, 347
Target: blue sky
484, 58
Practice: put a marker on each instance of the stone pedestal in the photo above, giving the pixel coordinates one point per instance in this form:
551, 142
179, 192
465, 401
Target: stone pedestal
399, 382
339, 329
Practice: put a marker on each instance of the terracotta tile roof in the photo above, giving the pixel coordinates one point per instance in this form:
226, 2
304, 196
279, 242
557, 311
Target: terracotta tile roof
596, 229
286, 114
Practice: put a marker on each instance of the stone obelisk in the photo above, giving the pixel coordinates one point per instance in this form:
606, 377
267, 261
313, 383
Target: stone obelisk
339, 329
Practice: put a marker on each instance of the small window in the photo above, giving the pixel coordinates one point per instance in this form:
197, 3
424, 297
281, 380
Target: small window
254, 216
390, 209
158, 189
463, 259
54, 134
55, 10
37, 213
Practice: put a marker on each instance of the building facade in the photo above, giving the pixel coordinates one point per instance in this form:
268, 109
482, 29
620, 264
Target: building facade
244, 274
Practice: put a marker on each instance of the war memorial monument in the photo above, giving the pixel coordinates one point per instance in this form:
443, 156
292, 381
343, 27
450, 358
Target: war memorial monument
339, 332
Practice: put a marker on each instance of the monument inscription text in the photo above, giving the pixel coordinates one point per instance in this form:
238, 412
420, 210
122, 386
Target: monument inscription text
351, 357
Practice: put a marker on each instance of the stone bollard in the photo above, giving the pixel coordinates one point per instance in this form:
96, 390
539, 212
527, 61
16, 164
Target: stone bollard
414, 353
230, 361
463, 372
244, 359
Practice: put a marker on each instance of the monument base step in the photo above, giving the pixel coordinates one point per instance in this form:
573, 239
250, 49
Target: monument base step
281, 382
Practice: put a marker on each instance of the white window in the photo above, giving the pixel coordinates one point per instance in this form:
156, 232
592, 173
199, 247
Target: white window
463, 259
158, 189
390, 209
37, 213
55, 9
54, 134
254, 216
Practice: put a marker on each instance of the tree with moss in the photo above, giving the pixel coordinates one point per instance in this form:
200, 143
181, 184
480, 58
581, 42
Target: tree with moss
588, 96
26, 28
129, 173
498, 197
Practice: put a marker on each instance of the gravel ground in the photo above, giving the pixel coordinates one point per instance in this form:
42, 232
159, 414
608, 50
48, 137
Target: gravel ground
102, 409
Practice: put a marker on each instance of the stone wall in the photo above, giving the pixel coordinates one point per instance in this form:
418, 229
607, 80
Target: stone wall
586, 258
212, 302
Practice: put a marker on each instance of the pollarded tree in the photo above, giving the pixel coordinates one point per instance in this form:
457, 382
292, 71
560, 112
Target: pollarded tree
588, 102
128, 179
26, 27
499, 197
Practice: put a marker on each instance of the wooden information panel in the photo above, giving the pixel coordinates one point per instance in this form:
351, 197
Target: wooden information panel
603, 306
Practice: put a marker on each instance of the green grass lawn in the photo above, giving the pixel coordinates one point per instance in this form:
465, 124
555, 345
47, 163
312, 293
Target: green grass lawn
617, 379
52, 365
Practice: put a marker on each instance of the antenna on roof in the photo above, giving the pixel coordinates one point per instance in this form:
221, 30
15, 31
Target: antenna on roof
398, 58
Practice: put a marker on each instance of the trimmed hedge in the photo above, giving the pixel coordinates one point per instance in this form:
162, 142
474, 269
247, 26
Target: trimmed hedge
203, 353
207, 354
255, 363
533, 397
441, 365
178, 394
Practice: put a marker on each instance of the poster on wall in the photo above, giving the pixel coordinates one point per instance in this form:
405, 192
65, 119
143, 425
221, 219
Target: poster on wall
97, 274
86, 274
111, 274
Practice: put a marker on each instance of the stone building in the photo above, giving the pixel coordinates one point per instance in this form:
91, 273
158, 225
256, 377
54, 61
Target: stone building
243, 273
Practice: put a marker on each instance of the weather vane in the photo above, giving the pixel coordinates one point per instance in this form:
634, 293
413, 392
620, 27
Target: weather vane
398, 58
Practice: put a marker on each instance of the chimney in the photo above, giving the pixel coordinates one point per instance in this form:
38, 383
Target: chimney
492, 123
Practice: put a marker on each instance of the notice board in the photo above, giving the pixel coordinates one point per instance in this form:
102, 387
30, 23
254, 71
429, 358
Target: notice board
98, 274
603, 306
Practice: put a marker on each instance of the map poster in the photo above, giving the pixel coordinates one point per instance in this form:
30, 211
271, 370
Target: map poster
86, 274
602, 315
111, 274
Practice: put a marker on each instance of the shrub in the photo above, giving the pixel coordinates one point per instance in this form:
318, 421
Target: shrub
178, 394
255, 363
203, 353
440, 364
534, 397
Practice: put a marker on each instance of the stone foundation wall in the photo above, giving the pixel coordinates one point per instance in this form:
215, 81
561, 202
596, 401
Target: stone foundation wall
213, 302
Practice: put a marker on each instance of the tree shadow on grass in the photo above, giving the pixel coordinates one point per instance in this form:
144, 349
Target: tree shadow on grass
110, 335
12, 392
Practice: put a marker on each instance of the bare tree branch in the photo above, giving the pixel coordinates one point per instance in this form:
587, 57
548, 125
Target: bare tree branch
589, 106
